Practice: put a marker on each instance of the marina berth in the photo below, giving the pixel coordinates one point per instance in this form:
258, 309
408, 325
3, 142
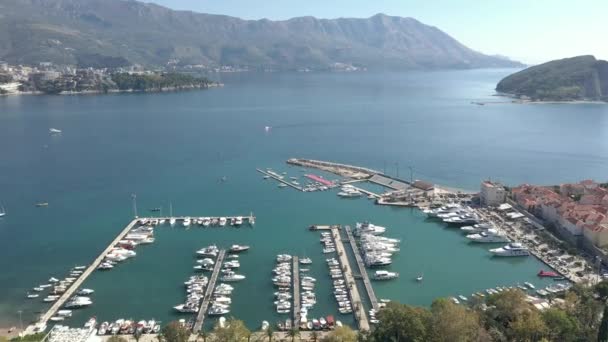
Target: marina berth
510, 250
489, 236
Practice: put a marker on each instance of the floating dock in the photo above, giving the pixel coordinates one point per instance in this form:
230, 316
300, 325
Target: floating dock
296, 292
200, 318
368, 285
44, 318
273, 176
355, 298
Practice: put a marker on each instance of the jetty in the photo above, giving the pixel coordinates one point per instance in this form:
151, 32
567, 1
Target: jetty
200, 318
44, 318
367, 192
366, 282
279, 179
355, 298
296, 292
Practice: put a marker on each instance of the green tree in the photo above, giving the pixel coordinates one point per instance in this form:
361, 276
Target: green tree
453, 323
560, 325
293, 333
528, 327
602, 335
270, 333
233, 331
341, 334
602, 289
117, 339
400, 322
175, 332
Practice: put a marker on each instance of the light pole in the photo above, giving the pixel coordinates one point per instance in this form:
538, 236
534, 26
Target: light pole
134, 197
20, 320
411, 174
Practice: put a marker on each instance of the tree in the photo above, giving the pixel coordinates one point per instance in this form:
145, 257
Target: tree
528, 327
602, 289
293, 333
602, 335
175, 332
233, 331
341, 334
400, 322
453, 323
117, 339
560, 325
270, 333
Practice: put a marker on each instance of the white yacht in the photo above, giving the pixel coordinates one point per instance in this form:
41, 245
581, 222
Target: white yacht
85, 292
477, 228
238, 248
385, 275
208, 251
350, 193
54, 131
369, 228
489, 236
512, 249
238, 221
305, 261
231, 277
218, 311
223, 221
186, 222
2, 211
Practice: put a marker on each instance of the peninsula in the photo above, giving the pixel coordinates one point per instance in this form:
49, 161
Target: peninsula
581, 78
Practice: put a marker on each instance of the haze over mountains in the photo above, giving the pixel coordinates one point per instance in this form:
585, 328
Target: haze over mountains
119, 32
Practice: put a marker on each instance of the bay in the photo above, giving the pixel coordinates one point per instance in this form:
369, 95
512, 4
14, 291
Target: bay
177, 146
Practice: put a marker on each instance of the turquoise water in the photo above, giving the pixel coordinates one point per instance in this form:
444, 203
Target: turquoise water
175, 147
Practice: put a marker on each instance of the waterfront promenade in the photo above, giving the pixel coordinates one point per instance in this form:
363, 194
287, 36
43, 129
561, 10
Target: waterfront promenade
355, 298
200, 318
74, 287
366, 282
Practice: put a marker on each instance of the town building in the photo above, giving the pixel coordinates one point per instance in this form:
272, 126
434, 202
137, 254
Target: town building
492, 193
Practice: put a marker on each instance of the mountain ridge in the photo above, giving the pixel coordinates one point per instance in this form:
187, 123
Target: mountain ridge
60, 31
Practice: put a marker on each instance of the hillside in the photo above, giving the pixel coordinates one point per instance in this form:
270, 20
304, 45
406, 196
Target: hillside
576, 78
115, 32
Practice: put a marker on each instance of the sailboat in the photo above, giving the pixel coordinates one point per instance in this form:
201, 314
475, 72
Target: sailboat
419, 278
171, 218
2, 211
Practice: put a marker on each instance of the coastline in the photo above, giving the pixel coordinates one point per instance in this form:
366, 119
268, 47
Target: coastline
119, 91
515, 99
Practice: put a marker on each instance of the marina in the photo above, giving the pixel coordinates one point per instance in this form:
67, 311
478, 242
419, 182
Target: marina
200, 318
362, 271
355, 298
296, 292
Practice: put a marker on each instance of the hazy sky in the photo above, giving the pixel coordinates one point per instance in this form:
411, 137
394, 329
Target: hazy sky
531, 31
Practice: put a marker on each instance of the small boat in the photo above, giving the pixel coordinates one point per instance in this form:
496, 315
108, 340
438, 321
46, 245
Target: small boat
548, 274
528, 284
85, 292
57, 318
282, 185
42, 204
419, 278
155, 209
32, 295
2, 211
238, 248
53, 280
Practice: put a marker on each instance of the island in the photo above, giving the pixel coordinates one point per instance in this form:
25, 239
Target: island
581, 78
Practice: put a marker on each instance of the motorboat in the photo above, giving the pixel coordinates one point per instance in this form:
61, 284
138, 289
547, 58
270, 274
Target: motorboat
53, 280
64, 313
305, 261
186, 308
85, 292
50, 298
489, 236
419, 278
369, 228
232, 277
54, 131
385, 275
223, 221
32, 295
549, 274
238, 248
212, 251
512, 249
217, 311
186, 222
238, 221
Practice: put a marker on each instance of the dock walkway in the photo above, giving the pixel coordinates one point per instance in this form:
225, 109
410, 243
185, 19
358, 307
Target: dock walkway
74, 287
367, 192
368, 286
355, 298
279, 179
296, 292
200, 318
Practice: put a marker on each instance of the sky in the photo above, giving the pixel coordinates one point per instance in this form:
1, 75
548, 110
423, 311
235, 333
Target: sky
531, 31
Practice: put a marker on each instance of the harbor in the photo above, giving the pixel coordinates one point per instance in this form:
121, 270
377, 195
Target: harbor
200, 318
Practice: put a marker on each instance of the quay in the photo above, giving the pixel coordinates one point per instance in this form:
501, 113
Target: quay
250, 218
368, 285
44, 318
296, 292
367, 192
279, 179
200, 318
355, 298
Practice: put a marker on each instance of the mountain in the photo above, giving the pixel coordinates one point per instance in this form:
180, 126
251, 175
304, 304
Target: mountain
576, 78
126, 31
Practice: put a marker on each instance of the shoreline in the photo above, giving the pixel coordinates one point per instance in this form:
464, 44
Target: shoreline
116, 91
516, 100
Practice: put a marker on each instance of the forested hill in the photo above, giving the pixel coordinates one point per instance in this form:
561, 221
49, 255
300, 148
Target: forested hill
576, 78
96, 32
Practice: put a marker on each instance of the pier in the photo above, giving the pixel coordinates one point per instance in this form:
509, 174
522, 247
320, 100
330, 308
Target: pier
279, 179
368, 285
367, 192
44, 318
296, 292
355, 298
200, 318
